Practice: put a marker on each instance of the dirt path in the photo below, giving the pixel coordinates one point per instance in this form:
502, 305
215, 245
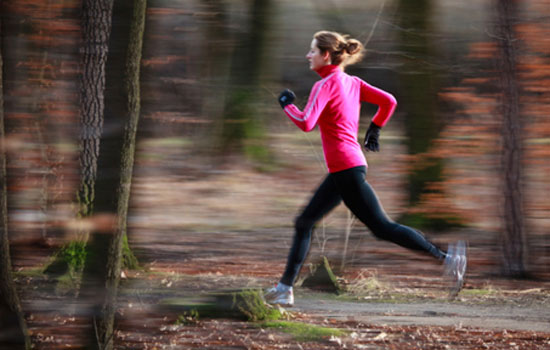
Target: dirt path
430, 313
255, 260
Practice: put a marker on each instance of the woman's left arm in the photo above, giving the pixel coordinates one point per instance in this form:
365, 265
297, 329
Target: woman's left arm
385, 101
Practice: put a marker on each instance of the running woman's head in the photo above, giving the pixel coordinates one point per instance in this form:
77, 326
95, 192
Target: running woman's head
333, 48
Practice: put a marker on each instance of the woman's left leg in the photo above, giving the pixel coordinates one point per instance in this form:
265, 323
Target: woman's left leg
361, 199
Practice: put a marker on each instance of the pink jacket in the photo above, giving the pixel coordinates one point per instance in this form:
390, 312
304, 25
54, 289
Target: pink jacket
334, 104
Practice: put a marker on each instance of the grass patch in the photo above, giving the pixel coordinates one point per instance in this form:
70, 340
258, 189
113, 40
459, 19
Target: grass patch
304, 331
33, 272
387, 298
367, 284
480, 292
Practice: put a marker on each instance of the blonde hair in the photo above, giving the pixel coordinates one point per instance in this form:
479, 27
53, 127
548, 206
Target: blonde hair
343, 50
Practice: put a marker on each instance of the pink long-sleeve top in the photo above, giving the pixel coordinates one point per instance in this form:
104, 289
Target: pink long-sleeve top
334, 104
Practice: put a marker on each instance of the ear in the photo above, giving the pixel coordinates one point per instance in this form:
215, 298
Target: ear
326, 57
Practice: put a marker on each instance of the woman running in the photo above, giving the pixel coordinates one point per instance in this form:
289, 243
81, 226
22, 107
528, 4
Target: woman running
334, 105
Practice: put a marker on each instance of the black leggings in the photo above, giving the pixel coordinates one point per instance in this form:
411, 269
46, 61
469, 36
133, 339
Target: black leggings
351, 187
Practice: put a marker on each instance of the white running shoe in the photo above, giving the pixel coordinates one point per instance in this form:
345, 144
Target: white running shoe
455, 266
280, 296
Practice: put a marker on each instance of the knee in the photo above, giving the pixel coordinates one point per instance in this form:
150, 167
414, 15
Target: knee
383, 229
303, 225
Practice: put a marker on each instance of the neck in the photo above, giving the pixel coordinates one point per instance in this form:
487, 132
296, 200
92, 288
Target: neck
328, 69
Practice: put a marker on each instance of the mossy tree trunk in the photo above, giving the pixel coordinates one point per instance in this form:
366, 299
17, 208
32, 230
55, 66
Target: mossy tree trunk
114, 177
133, 110
96, 30
97, 25
13, 329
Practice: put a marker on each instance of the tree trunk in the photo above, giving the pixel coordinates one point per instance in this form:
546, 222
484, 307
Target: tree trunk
97, 27
216, 69
242, 130
423, 123
96, 24
514, 235
132, 85
96, 30
114, 175
13, 329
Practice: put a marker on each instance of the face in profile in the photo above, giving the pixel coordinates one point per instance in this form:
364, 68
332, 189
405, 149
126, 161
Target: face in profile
316, 58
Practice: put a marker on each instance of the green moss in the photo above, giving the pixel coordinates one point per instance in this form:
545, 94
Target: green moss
246, 305
188, 317
304, 331
250, 303
69, 259
129, 260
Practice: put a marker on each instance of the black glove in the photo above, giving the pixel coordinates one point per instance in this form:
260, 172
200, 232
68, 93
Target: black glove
286, 97
371, 138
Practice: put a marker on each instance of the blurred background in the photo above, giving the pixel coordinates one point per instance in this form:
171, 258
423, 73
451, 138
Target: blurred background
174, 128
219, 171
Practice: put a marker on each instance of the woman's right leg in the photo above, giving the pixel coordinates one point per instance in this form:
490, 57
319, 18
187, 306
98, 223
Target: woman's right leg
323, 201
361, 199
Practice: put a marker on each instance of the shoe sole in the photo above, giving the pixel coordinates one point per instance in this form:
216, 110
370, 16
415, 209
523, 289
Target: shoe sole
277, 301
453, 293
462, 248
282, 304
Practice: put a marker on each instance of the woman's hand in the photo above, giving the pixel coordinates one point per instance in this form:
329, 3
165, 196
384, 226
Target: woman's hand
371, 138
286, 97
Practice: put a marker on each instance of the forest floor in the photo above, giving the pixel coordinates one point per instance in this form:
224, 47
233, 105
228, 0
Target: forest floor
197, 234
395, 300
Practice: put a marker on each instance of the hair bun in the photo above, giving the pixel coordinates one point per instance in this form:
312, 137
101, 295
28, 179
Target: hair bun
353, 46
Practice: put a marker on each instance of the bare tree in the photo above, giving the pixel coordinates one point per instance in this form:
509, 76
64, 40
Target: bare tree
514, 235
96, 30
242, 129
13, 329
423, 121
96, 23
114, 175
